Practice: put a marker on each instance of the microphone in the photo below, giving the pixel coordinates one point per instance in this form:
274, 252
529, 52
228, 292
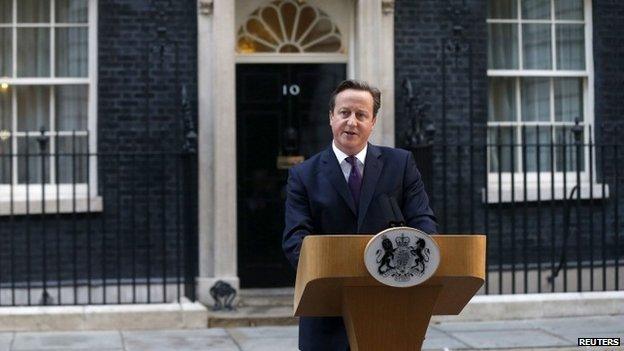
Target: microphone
400, 221
391, 211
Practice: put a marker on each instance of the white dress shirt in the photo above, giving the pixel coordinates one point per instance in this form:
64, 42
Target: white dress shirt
345, 165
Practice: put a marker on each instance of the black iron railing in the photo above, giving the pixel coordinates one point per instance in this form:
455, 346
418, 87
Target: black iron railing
80, 227
551, 207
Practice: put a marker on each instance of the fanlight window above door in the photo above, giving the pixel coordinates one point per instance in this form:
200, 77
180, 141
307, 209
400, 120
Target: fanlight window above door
289, 26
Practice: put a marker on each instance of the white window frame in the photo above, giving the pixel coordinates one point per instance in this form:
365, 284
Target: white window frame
16, 199
342, 10
500, 188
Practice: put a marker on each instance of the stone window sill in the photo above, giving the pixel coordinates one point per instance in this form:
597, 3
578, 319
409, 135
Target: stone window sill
20, 206
503, 194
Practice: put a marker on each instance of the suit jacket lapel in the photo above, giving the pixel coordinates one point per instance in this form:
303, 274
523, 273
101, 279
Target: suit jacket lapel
372, 171
332, 170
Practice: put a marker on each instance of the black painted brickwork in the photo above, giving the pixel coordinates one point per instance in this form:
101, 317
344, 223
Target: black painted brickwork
521, 232
141, 118
608, 21
129, 45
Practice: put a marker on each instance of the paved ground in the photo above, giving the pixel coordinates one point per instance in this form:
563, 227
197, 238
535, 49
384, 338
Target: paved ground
551, 334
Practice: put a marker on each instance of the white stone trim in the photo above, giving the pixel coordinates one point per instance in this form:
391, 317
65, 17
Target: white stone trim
204, 147
292, 58
217, 146
374, 62
371, 58
530, 306
503, 194
224, 140
51, 206
387, 73
177, 315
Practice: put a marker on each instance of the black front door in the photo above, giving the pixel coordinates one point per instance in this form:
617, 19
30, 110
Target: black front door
281, 110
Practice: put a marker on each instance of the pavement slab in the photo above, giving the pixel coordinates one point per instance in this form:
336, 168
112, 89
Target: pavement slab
264, 332
519, 335
79, 340
583, 325
520, 338
266, 338
5, 341
494, 325
269, 344
443, 342
215, 339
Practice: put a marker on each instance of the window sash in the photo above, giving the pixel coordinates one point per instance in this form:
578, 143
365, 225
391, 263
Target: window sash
586, 74
66, 159
556, 27
48, 43
87, 79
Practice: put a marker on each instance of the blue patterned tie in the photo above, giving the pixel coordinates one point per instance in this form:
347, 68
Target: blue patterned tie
355, 180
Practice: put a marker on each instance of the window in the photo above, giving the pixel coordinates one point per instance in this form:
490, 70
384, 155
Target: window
47, 77
540, 82
287, 26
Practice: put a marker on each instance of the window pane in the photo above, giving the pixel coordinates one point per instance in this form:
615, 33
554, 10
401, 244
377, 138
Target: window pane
71, 52
568, 99
570, 46
33, 52
5, 161
536, 9
537, 139
5, 139
322, 28
6, 11
6, 48
502, 102
270, 17
72, 11
29, 168
71, 107
257, 28
329, 44
72, 159
502, 46
33, 108
569, 9
502, 9
33, 11
307, 16
535, 97
564, 137
536, 46
5, 109
501, 141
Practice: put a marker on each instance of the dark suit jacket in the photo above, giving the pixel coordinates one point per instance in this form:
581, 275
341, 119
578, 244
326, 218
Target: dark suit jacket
319, 202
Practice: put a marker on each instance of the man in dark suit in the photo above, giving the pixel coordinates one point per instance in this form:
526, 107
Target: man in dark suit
350, 188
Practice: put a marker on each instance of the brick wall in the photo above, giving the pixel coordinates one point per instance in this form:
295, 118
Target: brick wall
146, 51
522, 231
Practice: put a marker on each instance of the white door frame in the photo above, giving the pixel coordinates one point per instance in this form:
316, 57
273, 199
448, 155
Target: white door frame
371, 58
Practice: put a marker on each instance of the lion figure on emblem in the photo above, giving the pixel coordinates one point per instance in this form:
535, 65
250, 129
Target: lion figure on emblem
385, 261
422, 255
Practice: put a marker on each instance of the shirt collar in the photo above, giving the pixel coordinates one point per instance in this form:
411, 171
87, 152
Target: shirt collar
341, 156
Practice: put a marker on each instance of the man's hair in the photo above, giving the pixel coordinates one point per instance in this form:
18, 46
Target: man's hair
356, 85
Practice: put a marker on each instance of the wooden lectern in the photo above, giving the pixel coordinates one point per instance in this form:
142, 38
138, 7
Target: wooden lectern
332, 280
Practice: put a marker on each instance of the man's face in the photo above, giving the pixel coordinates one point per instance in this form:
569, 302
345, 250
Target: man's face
352, 120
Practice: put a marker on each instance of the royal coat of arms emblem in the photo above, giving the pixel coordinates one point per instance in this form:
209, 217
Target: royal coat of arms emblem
402, 256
